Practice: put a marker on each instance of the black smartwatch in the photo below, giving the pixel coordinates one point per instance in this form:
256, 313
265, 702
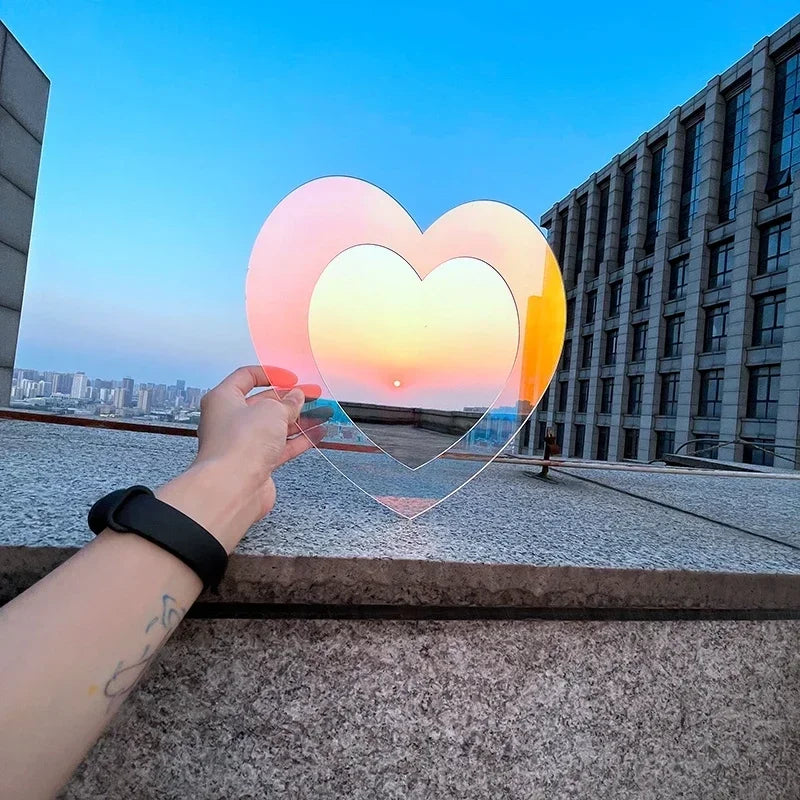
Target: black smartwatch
137, 510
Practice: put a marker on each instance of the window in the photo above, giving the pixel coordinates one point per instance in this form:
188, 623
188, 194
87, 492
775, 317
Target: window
559, 431
655, 198
762, 392
721, 264
579, 434
525, 439
586, 351
639, 342
626, 211
710, 394
643, 281
668, 402
606, 395
541, 432
570, 313
614, 298
603, 436
544, 403
734, 151
591, 307
602, 229
563, 393
784, 154
673, 340
610, 354
665, 443
706, 446
630, 446
583, 396
773, 251
759, 451
563, 217
716, 328
581, 237
691, 178
677, 278
768, 319
635, 388
566, 354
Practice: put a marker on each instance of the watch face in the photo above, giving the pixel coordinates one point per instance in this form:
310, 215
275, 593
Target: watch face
431, 348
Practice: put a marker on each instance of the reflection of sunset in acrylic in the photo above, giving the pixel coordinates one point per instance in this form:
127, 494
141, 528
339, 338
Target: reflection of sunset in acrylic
432, 348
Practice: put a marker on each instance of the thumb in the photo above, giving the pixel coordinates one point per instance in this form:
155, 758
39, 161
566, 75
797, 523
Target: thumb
294, 401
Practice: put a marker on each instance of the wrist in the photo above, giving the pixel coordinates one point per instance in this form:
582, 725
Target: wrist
206, 494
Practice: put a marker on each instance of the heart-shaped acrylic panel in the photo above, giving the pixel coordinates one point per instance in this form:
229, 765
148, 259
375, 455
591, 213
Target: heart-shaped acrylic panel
321, 220
386, 343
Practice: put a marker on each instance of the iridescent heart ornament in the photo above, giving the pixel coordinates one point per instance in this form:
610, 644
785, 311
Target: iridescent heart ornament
432, 348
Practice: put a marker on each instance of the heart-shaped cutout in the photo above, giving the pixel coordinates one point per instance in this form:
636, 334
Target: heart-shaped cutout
325, 217
410, 360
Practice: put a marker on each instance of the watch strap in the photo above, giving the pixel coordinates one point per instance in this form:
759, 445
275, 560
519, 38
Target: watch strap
138, 510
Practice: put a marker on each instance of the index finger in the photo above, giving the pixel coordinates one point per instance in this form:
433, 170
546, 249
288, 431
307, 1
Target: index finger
245, 379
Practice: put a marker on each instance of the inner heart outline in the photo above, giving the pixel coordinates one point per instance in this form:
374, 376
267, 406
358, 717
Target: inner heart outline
402, 263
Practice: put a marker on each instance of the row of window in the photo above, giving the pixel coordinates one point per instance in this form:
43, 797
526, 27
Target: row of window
784, 158
768, 320
762, 394
756, 451
773, 256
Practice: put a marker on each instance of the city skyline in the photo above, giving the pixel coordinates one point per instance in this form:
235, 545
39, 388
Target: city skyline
79, 392
177, 381
158, 171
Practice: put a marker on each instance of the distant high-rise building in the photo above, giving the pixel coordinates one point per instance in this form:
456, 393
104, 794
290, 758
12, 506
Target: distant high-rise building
23, 99
119, 397
159, 395
80, 385
193, 396
27, 388
145, 399
127, 389
180, 385
62, 383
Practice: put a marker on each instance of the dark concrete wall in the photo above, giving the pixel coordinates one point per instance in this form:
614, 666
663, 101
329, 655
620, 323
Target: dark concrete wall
24, 91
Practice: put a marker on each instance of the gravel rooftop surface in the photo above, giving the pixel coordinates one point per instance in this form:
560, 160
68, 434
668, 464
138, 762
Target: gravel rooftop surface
51, 474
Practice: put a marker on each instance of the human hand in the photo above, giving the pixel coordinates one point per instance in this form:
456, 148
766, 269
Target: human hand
243, 439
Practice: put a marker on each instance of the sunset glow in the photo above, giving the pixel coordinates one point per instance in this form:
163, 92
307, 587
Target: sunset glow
453, 336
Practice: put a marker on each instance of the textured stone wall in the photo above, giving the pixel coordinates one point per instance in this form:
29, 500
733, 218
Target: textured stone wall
385, 709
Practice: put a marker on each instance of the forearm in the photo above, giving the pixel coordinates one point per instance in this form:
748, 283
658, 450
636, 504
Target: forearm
73, 646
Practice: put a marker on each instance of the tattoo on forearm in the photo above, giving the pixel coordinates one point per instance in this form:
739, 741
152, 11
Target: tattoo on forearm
157, 630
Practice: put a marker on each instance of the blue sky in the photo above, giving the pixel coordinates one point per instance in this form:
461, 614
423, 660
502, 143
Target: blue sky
174, 128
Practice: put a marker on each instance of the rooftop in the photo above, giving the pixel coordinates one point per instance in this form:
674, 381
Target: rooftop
50, 475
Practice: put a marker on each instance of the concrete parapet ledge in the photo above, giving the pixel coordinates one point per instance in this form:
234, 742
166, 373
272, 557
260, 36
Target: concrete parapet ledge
417, 588
582, 544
